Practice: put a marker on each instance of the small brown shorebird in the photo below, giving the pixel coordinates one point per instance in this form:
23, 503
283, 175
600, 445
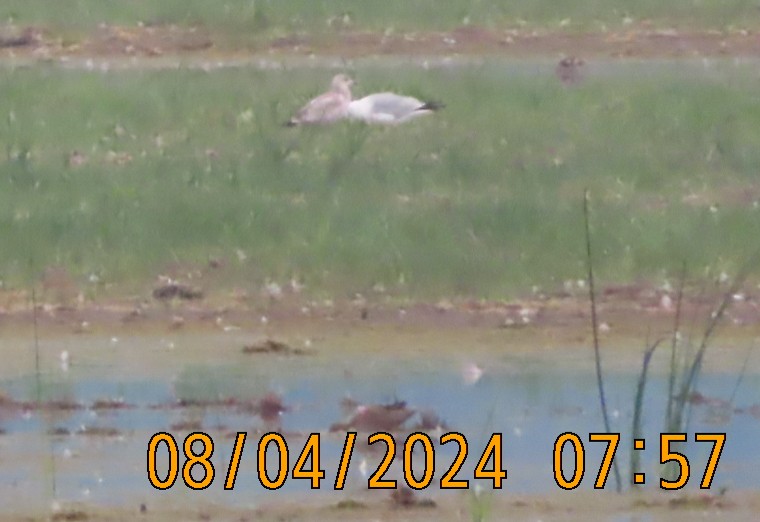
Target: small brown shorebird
568, 70
376, 417
270, 407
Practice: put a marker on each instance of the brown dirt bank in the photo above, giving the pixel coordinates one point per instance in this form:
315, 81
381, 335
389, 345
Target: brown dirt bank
635, 41
378, 505
625, 312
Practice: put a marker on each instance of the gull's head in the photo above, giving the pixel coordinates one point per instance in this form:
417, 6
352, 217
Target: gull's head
342, 83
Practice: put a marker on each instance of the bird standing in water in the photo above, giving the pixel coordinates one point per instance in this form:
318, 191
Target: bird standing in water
376, 417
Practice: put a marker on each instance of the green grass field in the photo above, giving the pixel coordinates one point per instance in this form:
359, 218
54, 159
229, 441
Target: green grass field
482, 199
250, 19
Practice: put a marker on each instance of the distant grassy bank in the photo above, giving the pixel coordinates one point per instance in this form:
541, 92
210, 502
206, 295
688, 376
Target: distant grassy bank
248, 20
176, 168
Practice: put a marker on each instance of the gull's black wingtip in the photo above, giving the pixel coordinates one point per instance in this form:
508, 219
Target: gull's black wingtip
290, 123
432, 106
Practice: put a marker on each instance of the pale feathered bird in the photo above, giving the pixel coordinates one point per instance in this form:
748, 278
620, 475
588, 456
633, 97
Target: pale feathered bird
328, 107
389, 108
371, 418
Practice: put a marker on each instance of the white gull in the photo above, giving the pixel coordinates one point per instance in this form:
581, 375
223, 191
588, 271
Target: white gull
389, 108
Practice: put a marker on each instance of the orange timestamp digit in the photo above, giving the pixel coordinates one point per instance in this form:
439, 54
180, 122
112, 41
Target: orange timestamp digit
198, 449
492, 453
667, 455
192, 459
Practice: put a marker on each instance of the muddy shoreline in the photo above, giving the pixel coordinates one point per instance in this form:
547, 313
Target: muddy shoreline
152, 41
502, 505
626, 312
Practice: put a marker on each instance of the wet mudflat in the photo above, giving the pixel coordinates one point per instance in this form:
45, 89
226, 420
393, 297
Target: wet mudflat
101, 398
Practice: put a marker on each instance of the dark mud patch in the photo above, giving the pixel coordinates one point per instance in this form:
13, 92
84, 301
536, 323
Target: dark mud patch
180, 404
269, 407
70, 516
62, 405
10, 404
407, 499
275, 347
689, 501
187, 426
111, 404
174, 290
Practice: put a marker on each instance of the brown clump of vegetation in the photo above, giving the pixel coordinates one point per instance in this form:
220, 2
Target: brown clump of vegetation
175, 290
405, 498
273, 346
70, 516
